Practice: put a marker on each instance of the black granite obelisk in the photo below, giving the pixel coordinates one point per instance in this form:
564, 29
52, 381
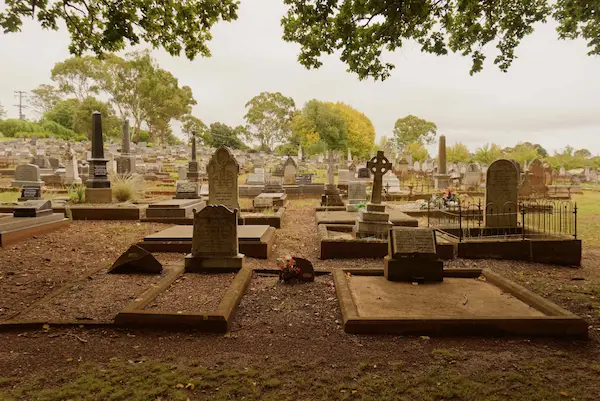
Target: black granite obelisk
98, 173
193, 174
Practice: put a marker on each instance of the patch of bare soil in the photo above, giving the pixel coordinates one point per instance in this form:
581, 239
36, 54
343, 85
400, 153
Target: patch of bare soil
39, 265
193, 293
291, 310
98, 298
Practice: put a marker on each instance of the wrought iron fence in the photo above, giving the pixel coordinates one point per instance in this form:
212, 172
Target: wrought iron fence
526, 219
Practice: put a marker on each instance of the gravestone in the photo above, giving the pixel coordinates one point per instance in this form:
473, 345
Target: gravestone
391, 183
364, 173
71, 169
357, 194
262, 202
33, 208
343, 177
306, 271
472, 178
27, 175
255, 179
375, 221
136, 260
304, 179
412, 256
331, 197
126, 162
501, 194
54, 163
289, 171
223, 171
215, 244
187, 190
193, 172
98, 186
536, 169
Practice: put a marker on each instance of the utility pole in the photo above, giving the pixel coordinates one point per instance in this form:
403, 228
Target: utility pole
21, 106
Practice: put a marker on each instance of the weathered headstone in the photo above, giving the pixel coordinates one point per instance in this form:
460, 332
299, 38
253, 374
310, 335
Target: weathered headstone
187, 190
289, 171
126, 162
501, 194
332, 193
193, 174
364, 173
71, 169
357, 194
136, 260
27, 175
223, 171
214, 242
536, 169
412, 256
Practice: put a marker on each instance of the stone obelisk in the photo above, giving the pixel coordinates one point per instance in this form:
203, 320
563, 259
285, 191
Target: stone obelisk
442, 178
98, 186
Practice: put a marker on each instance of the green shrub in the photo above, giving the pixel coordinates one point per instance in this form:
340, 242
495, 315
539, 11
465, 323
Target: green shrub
32, 134
11, 126
127, 187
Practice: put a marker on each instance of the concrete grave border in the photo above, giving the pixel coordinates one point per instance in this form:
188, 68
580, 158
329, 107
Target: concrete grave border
558, 322
42, 226
252, 249
218, 321
338, 248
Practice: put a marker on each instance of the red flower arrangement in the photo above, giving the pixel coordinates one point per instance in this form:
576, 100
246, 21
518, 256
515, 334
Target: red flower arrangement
287, 264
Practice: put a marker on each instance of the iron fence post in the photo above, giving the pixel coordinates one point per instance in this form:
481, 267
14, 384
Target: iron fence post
575, 222
459, 222
523, 220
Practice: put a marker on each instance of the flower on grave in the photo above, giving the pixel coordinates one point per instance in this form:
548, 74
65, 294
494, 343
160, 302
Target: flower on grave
287, 264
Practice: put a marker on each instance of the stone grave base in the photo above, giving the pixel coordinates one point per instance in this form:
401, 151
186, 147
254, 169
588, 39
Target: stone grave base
215, 321
15, 229
98, 195
413, 269
460, 305
279, 199
338, 241
195, 264
165, 211
342, 217
254, 241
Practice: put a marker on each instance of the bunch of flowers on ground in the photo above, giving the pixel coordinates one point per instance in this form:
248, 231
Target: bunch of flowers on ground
287, 265
445, 199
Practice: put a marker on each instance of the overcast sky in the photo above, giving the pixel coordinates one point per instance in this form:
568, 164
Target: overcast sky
551, 94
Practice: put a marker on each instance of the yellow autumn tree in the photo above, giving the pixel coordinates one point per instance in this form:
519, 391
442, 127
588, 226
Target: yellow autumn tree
361, 133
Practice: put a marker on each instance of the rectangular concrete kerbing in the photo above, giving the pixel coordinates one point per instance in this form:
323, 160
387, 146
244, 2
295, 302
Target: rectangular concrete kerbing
520, 292
150, 294
347, 307
233, 296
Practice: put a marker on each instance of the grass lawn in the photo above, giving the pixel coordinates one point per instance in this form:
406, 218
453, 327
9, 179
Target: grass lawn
588, 218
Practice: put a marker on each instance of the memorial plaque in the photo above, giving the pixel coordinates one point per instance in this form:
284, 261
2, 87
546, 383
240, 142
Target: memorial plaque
412, 242
31, 193
100, 170
215, 232
357, 192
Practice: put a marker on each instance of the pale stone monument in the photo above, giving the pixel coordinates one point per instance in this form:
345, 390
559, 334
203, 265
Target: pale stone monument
126, 162
357, 194
27, 175
223, 171
501, 194
442, 178
375, 221
332, 193
215, 245
289, 171
71, 169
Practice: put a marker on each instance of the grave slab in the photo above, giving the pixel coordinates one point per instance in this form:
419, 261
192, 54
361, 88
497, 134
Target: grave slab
15, 229
173, 208
397, 218
460, 305
254, 241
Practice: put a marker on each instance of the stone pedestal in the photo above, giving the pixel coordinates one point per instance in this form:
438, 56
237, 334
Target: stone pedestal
126, 164
193, 174
197, 264
331, 196
373, 222
187, 190
98, 195
442, 181
413, 269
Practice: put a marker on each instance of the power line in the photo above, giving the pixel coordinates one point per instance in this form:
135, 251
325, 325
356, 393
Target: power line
21, 106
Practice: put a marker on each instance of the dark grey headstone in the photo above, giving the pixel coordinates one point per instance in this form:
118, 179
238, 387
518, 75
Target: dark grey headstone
33, 208
135, 261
